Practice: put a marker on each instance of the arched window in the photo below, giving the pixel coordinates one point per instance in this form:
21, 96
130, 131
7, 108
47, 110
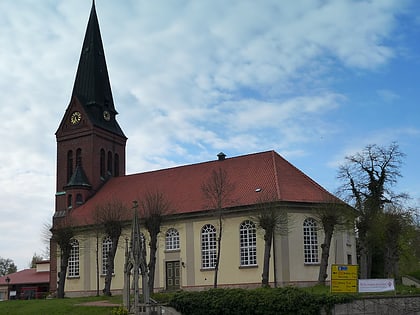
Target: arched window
310, 241
208, 246
109, 164
102, 163
172, 239
73, 265
106, 248
79, 199
248, 243
69, 201
116, 165
78, 157
69, 165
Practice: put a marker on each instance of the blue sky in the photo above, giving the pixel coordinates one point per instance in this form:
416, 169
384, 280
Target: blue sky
313, 80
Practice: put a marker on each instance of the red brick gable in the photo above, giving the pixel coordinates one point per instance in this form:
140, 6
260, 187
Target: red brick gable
266, 172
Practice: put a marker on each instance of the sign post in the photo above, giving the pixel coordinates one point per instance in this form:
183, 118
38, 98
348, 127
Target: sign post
344, 278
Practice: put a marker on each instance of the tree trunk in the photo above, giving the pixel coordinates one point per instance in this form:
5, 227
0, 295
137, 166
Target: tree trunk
364, 260
325, 254
63, 273
110, 267
268, 237
152, 261
97, 264
219, 243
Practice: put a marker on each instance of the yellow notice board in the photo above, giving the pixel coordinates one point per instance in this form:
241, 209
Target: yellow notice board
344, 278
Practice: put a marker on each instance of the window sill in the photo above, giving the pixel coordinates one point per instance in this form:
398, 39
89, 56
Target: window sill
312, 264
172, 250
73, 277
207, 269
248, 266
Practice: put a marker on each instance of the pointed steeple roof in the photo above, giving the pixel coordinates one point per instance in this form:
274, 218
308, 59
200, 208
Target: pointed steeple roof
92, 87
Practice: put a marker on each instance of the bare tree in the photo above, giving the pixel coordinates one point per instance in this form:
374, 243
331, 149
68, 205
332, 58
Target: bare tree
217, 189
271, 218
62, 234
153, 206
368, 177
333, 216
109, 217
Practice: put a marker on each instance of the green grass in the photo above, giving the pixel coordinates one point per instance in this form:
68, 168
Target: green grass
70, 306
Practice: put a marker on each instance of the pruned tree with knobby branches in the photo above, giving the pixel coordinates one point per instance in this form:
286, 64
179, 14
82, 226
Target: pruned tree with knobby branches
109, 217
154, 205
273, 219
217, 190
62, 234
334, 216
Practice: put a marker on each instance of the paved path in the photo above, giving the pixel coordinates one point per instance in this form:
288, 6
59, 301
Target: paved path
100, 303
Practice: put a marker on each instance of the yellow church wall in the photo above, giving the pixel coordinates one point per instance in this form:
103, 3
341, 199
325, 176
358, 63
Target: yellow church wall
290, 266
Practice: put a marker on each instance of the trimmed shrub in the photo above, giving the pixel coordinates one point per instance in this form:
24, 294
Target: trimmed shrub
265, 301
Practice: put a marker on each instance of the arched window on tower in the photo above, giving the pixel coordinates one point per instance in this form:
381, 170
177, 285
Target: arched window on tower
102, 164
79, 199
69, 164
109, 164
116, 165
78, 156
69, 201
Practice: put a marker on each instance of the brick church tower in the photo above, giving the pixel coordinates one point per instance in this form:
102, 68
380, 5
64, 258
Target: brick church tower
90, 142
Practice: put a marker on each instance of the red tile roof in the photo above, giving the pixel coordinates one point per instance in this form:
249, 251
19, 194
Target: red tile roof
26, 276
266, 171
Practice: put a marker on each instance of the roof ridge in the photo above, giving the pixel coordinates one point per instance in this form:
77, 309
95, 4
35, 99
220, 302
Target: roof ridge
201, 163
276, 178
321, 188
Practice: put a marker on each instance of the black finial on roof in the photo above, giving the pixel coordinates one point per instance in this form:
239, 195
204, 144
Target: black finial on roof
221, 156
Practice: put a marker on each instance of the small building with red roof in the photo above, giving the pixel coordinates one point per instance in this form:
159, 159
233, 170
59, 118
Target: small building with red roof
33, 283
91, 176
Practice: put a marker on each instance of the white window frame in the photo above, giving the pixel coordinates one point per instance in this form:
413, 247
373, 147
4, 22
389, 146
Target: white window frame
248, 243
172, 239
208, 246
73, 265
310, 241
106, 248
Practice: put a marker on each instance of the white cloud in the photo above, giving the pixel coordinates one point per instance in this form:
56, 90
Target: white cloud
190, 79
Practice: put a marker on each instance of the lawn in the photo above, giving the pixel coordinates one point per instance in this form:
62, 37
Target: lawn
70, 306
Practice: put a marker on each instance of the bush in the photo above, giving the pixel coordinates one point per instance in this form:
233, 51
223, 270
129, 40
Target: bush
287, 300
119, 311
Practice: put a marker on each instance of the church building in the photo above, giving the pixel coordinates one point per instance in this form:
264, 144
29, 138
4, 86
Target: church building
91, 172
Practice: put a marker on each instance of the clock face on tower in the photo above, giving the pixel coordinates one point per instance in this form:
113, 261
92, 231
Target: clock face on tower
107, 115
75, 118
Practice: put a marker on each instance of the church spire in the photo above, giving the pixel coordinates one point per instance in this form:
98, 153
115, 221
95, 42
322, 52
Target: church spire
92, 87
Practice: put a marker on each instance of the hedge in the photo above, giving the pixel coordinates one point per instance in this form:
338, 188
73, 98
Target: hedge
265, 301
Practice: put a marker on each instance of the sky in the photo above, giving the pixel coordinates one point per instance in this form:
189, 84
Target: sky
315, 81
